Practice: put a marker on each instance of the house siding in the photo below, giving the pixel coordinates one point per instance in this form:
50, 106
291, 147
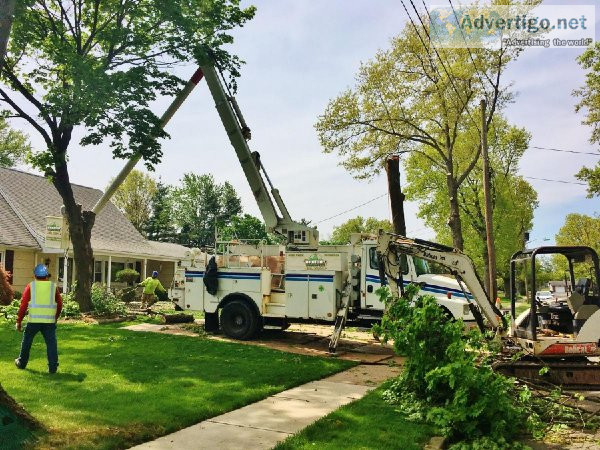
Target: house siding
23, 265
165, 269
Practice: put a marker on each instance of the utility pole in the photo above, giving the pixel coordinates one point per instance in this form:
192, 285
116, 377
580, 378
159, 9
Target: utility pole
7, 10
392, 168
489, 225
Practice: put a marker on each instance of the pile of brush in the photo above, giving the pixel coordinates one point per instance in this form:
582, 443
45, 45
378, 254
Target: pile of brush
6, 292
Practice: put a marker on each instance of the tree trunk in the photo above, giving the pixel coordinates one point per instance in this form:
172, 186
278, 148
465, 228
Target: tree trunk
454, 221
80, 230
486, 269
392, 167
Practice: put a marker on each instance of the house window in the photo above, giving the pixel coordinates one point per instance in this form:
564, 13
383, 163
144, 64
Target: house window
114, 268
2, 258
98, 271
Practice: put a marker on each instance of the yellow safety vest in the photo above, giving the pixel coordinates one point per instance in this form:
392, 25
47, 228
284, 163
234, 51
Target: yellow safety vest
42, 306
151, 284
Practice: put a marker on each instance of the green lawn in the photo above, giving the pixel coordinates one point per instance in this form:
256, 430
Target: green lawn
116, 388
369, 423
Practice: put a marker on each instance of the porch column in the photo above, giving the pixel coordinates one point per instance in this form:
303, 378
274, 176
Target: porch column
65, 275
144, 269
57, 266
108, 277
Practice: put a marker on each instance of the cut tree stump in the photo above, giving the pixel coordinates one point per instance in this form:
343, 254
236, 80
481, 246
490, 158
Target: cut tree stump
178, 318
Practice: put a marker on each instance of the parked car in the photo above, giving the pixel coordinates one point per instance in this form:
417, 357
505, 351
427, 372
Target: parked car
544, 296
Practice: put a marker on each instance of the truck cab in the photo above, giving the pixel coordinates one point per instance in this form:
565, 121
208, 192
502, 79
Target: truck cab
445, 289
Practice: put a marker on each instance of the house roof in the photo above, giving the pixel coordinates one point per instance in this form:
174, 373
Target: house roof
27, 199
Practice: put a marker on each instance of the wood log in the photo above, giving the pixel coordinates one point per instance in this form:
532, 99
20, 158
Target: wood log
178, 318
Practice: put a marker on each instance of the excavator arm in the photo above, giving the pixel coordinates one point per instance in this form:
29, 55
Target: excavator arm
391, 246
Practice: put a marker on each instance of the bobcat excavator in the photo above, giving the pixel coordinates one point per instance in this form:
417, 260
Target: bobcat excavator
562, 336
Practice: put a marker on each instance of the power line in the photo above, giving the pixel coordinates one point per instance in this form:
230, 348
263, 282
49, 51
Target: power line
565, 151
450, 77
352, 209
556, 181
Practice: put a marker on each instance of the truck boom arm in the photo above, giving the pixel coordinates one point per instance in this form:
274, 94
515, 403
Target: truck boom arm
390, 246
239, 133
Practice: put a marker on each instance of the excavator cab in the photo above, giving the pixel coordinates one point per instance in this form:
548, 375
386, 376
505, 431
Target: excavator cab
569, 314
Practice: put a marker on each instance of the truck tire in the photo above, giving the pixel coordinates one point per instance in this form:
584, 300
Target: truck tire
238, 320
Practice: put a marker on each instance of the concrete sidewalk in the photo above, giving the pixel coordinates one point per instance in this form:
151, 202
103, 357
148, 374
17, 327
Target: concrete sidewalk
263, 424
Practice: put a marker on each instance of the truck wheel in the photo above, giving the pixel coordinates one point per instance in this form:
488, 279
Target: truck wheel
238, 320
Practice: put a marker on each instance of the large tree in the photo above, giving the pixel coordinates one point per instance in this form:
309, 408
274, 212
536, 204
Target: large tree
134, 197
406, 100
97, 65
201, 206
160, 223
14, 145
513, 198
341, 234
578, 229
590, 102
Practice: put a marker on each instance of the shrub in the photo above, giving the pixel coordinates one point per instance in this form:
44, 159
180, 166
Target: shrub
105, 303
128, 276
6, 292
127, 295
448, 379
70, 309
10, 311
17, 295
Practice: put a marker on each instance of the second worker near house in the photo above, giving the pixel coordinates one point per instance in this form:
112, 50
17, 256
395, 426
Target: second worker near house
150, 284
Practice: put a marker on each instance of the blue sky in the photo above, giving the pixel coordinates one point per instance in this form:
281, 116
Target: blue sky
301, 53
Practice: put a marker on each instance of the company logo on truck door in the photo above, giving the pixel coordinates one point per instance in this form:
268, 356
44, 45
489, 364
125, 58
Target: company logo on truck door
315, 262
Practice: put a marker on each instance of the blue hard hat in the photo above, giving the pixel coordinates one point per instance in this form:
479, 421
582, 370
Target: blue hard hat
154, 274
40, 271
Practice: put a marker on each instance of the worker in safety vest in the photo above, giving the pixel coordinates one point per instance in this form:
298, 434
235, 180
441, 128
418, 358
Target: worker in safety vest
44, 302
150, 284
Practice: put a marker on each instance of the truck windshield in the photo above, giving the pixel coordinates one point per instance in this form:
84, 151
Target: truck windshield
421, 266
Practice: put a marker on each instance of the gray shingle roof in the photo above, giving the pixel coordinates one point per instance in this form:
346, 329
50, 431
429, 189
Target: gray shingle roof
34, 197
12, 231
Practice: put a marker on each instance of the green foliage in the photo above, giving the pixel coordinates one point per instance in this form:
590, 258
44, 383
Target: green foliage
341, 234
101, 64
590, 93
590, 103
592, 178
246, 227
10, 311
513, 199
404, 101
17, 295
14, 145
160, 223
6, 292
134, 198
70, 309
578, 229
448, 380
127, 295
200, 204
128, 276
105, 303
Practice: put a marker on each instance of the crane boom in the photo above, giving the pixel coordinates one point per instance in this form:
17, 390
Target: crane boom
390, 246
239, 133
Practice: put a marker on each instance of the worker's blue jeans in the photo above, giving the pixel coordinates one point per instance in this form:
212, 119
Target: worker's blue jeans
48, 330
